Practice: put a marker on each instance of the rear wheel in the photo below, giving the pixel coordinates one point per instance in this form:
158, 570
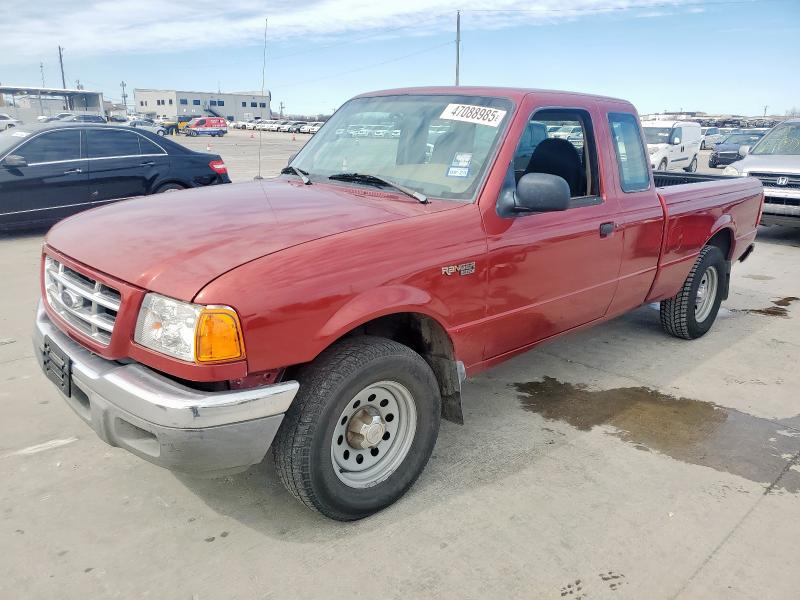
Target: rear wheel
692, 312
703, 145
663, 165
361, 428
170, 187
692, 168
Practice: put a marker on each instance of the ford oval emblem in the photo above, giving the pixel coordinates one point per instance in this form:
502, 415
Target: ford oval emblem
70, 299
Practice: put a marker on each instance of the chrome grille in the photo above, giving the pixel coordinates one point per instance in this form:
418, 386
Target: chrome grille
88, 305
771, 180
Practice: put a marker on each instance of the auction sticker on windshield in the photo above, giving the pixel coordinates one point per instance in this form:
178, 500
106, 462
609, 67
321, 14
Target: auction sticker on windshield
469, 113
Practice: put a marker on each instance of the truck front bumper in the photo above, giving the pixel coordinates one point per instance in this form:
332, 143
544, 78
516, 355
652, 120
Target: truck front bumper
158, 419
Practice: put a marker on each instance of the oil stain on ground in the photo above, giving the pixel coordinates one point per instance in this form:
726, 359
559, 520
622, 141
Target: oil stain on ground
691, 431
779, 310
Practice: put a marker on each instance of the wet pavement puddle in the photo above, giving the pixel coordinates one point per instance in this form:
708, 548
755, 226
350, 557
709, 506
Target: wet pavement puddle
691, 431
779, 310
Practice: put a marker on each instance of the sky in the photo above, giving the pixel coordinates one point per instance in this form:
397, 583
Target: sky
717, 56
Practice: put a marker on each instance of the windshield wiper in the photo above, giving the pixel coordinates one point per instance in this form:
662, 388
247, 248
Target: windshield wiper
290, 170
375, 180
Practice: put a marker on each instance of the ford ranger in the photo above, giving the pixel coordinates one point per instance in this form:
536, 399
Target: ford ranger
332, 313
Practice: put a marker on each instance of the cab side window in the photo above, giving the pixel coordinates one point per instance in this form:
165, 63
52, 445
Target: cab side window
677, 132
52, 146
631, 157
560, 142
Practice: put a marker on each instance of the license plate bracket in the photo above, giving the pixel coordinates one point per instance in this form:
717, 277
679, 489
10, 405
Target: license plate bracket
57, 366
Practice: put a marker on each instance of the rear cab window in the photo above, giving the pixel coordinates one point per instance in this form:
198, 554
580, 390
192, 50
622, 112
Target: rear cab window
629, 148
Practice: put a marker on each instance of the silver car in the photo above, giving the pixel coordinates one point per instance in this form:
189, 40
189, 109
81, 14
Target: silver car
7, 122
775, 160
148, 126
709, 137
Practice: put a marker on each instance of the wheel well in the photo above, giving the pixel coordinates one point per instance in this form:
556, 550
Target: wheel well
428, 338
170, 182
723, 240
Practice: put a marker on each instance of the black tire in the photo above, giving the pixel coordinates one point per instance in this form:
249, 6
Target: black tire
678, 314
712, 164
703, 145
692, 168
302, 447
170, 187
161, 132
663, 165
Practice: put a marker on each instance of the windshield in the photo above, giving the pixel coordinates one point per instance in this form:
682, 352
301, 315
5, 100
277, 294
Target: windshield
742, 138
437, 145
784, 139
657, 135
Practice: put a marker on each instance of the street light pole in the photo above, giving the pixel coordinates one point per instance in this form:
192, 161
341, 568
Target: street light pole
458, 44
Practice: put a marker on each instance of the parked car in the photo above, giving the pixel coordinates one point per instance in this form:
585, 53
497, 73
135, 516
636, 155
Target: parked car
148, 126
314, 127
56, 117
276, 125
50, 171
305, 127
564, 132
709, 136
337, 325
775, 161
291, 126
727, 151
672, 145
213, 126
7, 121
83, 118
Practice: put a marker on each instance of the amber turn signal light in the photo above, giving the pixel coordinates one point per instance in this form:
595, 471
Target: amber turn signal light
219, 335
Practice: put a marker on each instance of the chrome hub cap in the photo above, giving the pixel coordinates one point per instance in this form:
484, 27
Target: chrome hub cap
706, 294
374, 433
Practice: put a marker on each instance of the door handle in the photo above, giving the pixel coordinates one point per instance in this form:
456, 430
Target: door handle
148, 163
606, 229
70, 171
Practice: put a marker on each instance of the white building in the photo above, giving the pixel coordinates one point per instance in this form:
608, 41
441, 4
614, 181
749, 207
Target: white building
169, 104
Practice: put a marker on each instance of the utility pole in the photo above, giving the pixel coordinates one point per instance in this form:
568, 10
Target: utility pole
458, 43
124, 97
41, 106
63, 79
41, 70
282, 106
765, 110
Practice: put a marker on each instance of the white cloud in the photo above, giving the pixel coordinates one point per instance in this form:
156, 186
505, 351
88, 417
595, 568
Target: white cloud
98, 27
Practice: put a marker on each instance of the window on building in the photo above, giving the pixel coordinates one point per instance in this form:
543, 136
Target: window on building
244, 104
262, 104
184, 101
213, 103
254, 105
170, 101
230, 117
220, 102
141, 102
196, 102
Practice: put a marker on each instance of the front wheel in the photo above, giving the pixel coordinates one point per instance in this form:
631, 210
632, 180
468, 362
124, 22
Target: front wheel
693, 310
663, 165
361, 428
692, 168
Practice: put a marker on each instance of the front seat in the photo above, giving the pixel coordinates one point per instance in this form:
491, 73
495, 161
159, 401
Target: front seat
557, 156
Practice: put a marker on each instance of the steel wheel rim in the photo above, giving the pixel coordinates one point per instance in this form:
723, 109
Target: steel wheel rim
706, 294
390, 410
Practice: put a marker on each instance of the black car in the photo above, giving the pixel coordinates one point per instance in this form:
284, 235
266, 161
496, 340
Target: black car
727, 151
48, 172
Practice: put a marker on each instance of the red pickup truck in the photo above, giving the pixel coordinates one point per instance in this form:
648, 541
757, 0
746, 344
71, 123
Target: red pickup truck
333, 313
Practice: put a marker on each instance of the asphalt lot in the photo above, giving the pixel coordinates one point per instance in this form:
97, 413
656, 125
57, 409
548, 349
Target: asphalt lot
614, 463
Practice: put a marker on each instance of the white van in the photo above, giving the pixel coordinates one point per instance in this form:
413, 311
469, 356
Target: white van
672, 145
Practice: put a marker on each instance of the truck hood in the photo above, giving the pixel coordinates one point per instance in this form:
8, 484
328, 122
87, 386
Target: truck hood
175, 243
770, 163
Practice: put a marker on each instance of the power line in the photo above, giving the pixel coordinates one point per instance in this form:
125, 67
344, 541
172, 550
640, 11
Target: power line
593, 9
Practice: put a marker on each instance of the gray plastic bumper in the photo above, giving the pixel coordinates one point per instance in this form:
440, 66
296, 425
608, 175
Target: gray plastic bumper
162, 421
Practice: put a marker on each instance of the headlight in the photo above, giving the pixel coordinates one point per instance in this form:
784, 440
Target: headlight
730, 170
187, 331
652, 151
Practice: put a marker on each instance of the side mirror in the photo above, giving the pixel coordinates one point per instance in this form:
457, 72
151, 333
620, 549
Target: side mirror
13, 161
676, 141
744, 151
541, 192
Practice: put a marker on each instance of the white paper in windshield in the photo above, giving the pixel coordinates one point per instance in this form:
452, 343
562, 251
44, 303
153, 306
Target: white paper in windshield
470, 113
20, 134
